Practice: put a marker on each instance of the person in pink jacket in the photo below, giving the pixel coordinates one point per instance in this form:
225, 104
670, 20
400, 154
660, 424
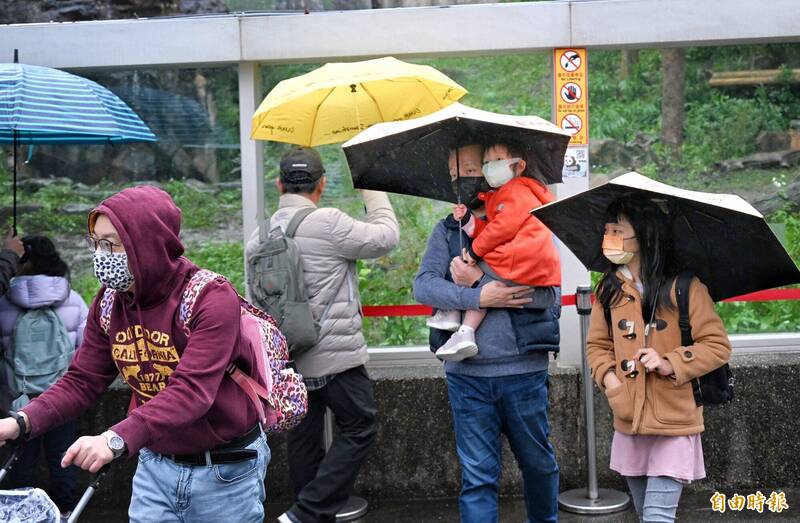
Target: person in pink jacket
42, 283
202, 453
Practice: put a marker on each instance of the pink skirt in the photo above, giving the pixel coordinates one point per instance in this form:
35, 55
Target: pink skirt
677, 457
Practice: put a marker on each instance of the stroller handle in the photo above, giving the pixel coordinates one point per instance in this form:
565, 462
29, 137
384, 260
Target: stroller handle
88, 493
11, 459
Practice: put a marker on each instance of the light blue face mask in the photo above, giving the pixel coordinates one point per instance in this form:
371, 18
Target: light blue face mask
499, 172
112, 270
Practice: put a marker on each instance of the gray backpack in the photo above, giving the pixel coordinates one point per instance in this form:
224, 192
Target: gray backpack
39, 353
276, 285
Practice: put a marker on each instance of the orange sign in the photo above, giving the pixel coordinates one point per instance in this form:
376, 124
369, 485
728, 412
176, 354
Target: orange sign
570, 96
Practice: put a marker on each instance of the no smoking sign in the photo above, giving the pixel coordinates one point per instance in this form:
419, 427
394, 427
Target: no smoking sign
572, 123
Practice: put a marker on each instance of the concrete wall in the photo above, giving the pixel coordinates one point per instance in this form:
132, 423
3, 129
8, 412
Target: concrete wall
750, 443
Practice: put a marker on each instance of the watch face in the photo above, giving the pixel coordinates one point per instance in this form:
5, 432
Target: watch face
116, 443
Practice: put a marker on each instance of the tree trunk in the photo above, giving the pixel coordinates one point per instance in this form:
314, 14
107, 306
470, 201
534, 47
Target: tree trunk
673, 69
628, 58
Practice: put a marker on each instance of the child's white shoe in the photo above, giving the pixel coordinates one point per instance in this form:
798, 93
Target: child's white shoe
461, 345
446, 320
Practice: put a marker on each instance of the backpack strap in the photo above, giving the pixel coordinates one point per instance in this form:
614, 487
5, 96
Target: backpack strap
249, 386
196, 284
106, 304
297, 219
682, 283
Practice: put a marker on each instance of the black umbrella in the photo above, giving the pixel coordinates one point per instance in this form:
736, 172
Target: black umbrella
410, 157
720, 237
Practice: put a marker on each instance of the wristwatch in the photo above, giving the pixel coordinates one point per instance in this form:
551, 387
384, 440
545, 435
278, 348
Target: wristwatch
23, 427
115, 442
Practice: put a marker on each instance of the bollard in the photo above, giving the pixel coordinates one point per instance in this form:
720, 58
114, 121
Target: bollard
356, 507
592, 500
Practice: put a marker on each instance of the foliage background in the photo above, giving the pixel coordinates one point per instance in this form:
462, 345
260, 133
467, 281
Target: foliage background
720, 124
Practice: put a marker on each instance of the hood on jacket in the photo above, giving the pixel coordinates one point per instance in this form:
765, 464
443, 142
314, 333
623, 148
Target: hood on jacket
37, 291
149, 224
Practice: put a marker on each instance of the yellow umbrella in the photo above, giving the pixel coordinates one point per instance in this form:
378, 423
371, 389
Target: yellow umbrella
338, 100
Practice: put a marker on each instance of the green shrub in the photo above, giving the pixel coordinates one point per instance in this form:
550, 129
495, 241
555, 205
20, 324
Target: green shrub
226, 258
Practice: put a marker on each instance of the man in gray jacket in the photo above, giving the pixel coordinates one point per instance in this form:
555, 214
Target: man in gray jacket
330, 242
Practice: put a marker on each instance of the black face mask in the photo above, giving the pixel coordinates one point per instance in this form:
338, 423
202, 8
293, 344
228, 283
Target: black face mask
468, 188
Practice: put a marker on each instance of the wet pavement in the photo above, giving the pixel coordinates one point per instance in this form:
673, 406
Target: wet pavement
694, 507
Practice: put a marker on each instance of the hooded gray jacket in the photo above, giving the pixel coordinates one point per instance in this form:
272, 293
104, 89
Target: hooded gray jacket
330, 242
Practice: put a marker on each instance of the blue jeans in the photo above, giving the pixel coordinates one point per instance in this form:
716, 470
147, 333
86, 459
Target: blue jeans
655, 497
167, 492
485, 408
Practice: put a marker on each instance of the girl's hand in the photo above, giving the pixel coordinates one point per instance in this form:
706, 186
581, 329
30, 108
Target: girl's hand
653, 361
459, 211
611, 381
467, 258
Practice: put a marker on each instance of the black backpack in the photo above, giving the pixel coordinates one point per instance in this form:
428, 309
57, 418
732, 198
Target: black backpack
716, 387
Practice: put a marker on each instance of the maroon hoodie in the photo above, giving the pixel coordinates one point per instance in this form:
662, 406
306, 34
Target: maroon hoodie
185, 401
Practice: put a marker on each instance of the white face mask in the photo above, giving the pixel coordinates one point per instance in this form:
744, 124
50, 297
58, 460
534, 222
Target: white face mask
499, 172
618, 257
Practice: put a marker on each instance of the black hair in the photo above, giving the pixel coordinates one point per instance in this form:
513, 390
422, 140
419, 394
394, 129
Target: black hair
42, 257
533, 165
299, 188
656, 255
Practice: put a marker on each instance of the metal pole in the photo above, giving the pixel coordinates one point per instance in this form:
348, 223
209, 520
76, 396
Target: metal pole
87, 496
11, 460
584, 305
592, 500
14, 140
356, 507
88, 493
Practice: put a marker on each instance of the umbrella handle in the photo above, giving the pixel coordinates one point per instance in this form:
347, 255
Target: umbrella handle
14, 184
458, 199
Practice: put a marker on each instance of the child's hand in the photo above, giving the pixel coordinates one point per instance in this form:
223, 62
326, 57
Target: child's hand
459, 211
467, 258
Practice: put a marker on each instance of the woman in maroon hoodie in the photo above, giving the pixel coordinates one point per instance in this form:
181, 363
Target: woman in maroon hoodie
202, 453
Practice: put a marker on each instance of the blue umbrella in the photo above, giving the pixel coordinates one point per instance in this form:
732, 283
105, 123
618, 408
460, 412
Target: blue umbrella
39, 105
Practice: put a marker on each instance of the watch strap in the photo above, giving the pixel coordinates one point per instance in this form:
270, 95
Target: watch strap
23, 427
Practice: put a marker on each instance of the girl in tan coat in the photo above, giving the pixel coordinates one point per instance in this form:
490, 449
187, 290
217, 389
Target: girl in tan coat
636, 358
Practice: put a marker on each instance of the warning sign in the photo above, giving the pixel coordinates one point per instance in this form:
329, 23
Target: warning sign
570, 60
570, 96
571, 92
572, 123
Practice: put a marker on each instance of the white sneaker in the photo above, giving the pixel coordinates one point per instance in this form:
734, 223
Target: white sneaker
284, 518
446, 320
461, 345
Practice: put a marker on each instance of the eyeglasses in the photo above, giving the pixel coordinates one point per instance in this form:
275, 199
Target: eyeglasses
102, 245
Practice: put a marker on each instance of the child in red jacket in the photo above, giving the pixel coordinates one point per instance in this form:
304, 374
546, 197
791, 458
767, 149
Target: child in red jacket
515, 246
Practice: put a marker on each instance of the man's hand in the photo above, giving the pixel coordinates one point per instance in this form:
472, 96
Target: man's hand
497, 294
13, 243
459, 211
89, 453
464, 274
9, 430
653, 361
